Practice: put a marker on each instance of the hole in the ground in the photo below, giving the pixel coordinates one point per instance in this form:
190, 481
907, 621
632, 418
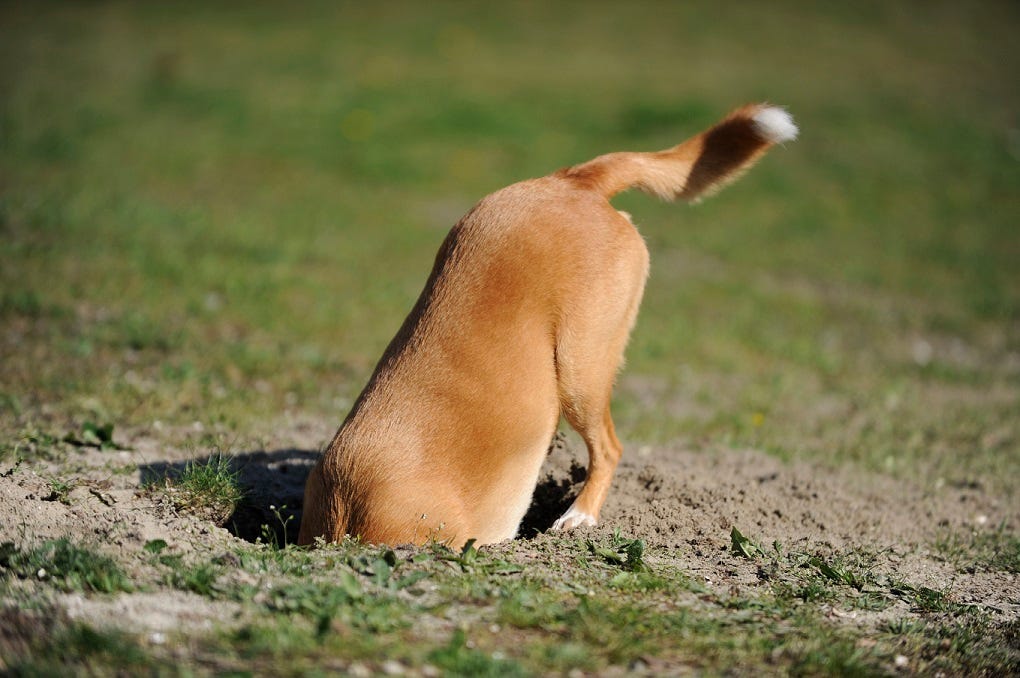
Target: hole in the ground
553, 496
556, 490
274, 486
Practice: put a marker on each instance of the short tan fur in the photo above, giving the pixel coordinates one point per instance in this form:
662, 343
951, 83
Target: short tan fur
524, 319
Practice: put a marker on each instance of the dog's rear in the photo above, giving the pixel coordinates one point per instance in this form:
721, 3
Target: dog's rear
525, 317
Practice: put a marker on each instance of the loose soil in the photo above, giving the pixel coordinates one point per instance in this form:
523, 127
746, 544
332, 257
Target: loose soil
680, 500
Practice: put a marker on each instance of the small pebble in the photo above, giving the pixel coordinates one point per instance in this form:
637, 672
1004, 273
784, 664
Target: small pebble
392, 668
358, 671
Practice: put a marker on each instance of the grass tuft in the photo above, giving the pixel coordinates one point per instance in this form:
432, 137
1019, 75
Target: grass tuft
200, 578
209, 489
994, 550
60, 490
56, 647
457, 659
65, 565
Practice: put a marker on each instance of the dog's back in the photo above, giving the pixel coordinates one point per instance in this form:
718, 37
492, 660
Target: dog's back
525, 317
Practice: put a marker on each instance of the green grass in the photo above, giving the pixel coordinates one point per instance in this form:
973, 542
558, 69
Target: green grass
60, 490
64, 565
32, 444
990, 549
477, 611
72, 648
209, 489
581, 619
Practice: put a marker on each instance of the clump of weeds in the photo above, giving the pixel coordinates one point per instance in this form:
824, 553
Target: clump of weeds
209, 489
65, 565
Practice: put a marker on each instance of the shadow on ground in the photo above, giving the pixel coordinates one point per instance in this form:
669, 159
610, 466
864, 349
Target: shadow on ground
553, 496
273, 484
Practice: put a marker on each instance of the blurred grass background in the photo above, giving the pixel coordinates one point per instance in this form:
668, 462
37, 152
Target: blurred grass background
223, 211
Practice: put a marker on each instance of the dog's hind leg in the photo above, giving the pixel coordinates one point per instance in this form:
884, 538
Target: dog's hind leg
604, 451
589, 351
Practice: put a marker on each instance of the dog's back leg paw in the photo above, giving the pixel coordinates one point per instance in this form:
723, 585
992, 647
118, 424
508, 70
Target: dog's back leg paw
574, 517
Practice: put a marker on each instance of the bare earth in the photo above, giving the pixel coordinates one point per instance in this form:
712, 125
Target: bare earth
682, 502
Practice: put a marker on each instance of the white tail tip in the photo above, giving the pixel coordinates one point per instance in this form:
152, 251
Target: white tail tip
775, 125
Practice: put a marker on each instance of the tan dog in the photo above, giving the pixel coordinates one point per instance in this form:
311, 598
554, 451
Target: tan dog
524, 318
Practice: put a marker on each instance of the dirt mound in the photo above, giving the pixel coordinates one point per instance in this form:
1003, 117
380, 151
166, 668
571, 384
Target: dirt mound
678, 498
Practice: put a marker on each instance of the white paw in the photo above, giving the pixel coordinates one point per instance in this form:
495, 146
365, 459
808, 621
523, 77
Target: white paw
574, 518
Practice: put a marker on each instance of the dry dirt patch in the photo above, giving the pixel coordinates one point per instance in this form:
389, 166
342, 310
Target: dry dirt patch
681, 502
687, 502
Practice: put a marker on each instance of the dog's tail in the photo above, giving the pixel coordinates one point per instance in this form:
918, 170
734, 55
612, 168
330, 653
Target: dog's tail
697, 167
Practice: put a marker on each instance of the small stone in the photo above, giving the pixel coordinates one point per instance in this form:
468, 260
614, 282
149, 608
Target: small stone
638, 665
358, 670
922, 353
392, 667
901, 661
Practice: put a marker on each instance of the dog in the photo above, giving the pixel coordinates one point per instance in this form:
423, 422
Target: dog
524, 319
